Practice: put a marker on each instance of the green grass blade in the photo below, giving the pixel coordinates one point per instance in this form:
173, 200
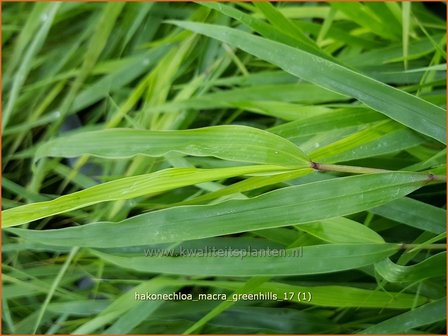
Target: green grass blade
407, 109
116, 80
280, 127
273, 32
406, 15
247, 145
361, 14
246, 185
136, 315
308, 260
380, 138
53, 287
341, 230
303, 93
434, 266
26, 63
293, 205
25, 37
282, 23
125, 188
97, 43
414, 213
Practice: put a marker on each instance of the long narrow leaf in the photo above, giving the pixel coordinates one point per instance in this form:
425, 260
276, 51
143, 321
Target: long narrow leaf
434, 266
407, 109
414, 213
125, 188
236, 143
310, 260
287, 206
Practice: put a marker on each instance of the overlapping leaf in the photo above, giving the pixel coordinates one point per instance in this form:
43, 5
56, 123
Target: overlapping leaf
126, 188
407, 109
287, 206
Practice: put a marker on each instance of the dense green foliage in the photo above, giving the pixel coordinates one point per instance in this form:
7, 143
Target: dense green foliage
314, 129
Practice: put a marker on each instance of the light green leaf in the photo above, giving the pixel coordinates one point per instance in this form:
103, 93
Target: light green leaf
236, 143
381, 138
303, 93
279, 31
361, 14
125, 188
26, 63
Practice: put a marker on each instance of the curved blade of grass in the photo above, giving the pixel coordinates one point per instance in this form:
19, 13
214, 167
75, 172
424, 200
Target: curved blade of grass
405, 108
315, 259
246, 185
424, 315
124, 188
235, 143
434, 266
288, 206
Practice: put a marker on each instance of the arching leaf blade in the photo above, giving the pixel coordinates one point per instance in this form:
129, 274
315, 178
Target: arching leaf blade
405, 108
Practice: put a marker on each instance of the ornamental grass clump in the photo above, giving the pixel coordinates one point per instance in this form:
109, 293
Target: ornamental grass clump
236, 168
